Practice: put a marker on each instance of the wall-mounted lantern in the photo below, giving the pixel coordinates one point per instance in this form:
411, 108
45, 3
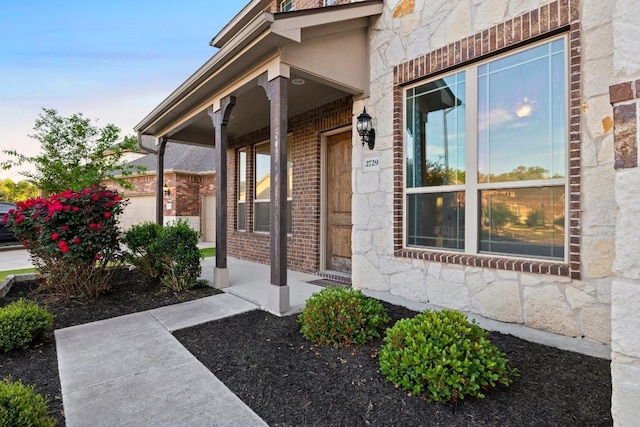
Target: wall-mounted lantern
365, 129
166, 190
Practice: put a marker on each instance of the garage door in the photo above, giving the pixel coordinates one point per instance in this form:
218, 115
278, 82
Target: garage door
139, 209
209, 218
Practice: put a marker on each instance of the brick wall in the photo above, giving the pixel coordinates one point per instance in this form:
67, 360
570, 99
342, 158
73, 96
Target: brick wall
186, 191
304, 4
305, 135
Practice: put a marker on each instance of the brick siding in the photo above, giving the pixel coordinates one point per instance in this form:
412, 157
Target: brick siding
303, 245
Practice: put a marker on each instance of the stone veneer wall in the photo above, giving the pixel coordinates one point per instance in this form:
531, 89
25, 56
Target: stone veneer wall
625, 299
412, 41
303, 245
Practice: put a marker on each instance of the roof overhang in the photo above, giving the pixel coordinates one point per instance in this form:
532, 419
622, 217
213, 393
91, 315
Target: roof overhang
326, 46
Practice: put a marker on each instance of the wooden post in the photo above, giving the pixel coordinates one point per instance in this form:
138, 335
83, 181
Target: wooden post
220, 121
276, 90
160, 181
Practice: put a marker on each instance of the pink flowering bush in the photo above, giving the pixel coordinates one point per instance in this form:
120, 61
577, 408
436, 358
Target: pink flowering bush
73, 239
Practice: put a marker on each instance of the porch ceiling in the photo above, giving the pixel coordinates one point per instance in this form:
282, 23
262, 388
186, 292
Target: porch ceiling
326, 47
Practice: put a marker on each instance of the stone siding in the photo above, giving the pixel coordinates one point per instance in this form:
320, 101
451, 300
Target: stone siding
413, 41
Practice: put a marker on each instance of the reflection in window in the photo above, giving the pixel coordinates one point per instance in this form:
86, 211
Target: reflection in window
516, 156
286, 5
263, 188
523, 221
436, 220
436, 133
521, 115
242, 189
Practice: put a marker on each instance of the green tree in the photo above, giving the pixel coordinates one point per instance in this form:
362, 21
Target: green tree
500, 215
75, 155
17, 191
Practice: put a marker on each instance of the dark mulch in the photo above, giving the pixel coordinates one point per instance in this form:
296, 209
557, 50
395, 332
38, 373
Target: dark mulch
289, 382
39, 365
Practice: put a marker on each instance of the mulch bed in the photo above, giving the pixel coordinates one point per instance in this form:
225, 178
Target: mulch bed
290, 382
39, 365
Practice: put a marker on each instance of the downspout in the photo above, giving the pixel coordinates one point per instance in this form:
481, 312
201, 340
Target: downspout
162, 144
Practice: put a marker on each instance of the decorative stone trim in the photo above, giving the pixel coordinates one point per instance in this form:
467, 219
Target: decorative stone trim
552, 18
625, 119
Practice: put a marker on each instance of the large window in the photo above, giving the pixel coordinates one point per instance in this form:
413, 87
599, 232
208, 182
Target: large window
486, 156
242, 189
262, 187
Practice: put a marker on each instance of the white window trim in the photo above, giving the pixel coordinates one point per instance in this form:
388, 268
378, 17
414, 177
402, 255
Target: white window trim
288, 4
238, 201
471, 188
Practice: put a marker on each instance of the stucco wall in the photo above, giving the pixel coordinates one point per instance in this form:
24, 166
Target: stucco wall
575, 304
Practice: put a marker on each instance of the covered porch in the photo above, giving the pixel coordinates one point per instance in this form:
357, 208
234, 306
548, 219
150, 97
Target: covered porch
269, 69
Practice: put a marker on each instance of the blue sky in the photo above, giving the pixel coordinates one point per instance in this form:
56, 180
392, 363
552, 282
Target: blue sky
113, 61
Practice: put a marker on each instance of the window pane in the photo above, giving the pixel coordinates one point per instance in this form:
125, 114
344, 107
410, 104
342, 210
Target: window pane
261, 217
436, 220
523, 221
242, 215
522, 129
435, 137
263, 172
242, 176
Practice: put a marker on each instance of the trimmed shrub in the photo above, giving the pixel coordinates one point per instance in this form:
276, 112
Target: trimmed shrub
21, 406
181, 260
342, 316
143, 242
443, 357
169, 253
21, 323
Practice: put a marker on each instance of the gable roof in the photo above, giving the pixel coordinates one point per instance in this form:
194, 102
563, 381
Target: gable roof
181, 158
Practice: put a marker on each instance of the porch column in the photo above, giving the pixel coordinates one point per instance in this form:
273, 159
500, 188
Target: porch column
276, 90
160, 180
220, 121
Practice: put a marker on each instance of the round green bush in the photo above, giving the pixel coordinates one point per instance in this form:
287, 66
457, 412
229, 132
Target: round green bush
342, 316
21, 406
21, 323
443, 357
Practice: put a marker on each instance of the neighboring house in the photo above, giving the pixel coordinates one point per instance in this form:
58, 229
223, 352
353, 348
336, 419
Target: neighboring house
502, 182
188, 194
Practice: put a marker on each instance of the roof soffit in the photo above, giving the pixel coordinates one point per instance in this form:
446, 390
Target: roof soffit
261, 37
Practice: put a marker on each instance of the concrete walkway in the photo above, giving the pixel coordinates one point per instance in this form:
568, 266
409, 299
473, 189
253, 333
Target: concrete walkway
130, 370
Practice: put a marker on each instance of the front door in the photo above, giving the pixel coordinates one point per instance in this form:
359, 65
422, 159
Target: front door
338, 196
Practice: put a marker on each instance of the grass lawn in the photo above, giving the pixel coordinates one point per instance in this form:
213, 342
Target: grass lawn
4, 274
208, 252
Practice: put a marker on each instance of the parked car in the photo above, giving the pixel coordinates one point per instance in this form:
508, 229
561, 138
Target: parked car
6, 235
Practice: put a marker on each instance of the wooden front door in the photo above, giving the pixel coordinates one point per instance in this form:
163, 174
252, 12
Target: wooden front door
338, 196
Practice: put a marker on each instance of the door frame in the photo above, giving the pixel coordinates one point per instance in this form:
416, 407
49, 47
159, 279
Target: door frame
323, 190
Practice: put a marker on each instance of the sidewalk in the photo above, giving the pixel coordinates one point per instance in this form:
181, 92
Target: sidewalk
130, 370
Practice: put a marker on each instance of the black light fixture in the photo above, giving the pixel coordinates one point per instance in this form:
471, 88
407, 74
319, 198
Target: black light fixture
365, 129
166, 190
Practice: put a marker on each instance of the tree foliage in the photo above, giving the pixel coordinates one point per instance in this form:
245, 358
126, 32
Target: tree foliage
16, 191
75, 154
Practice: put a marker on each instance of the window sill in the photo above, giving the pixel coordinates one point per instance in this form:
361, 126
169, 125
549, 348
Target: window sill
509, 264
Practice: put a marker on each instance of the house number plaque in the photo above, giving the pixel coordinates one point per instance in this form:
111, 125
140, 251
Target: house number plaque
371, 164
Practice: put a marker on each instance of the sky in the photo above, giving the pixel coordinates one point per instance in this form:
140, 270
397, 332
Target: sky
113, 61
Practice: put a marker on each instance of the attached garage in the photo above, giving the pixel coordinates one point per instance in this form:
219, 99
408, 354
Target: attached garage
138, 210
